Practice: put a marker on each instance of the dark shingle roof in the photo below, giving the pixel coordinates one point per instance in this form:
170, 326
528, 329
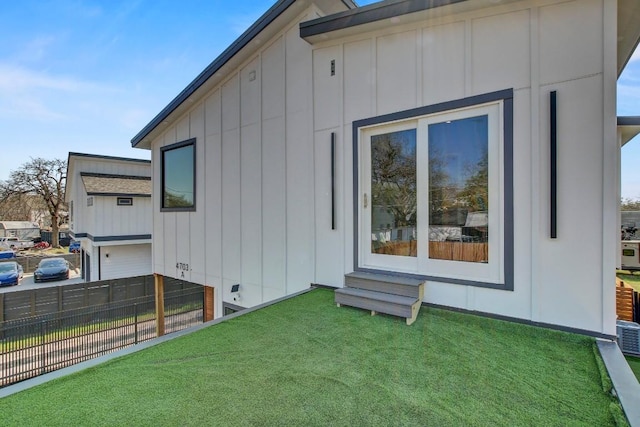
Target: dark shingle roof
116, 185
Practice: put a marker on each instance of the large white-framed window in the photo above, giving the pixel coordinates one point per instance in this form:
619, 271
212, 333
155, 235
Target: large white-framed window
435, 191
178, 172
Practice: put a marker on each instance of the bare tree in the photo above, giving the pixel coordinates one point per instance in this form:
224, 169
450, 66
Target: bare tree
45, 179
13, 207
629, 204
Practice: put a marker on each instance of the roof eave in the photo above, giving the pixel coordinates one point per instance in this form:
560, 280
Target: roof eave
116, 194
629, 127
141, 141
628, 31
344, 23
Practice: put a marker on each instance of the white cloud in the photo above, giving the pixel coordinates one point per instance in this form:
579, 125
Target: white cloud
31, 108
134, 119
36, 49
16, 79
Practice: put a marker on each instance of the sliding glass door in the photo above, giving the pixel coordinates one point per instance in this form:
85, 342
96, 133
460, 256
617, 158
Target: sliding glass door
430, 199
389, 198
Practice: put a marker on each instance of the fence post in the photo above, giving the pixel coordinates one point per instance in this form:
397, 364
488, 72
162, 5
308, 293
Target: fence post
135, 322
208, 304
43, 353
159, 291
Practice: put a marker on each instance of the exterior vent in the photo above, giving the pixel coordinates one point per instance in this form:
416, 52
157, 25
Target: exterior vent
628, 337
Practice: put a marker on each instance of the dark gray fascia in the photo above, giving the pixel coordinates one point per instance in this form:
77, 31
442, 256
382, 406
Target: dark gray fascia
110, 175
366, 14
99, 156
110, 238
96, 193
628, 120
246, 37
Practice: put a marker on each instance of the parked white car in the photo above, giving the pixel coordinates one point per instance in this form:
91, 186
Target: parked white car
15, 244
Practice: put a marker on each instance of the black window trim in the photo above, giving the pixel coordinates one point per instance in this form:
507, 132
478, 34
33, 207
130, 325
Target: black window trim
180, 144
124, 201
506, 96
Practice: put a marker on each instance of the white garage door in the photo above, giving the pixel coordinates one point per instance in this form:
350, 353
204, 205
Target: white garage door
125, 261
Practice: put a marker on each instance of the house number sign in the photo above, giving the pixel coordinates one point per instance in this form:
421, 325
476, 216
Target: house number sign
182, 267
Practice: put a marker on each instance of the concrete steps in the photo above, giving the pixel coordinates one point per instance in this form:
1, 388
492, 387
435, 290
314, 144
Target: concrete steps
379, 293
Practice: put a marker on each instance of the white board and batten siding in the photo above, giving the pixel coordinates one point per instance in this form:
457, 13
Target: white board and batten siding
263, 216
254, 218
110, 219
533, 47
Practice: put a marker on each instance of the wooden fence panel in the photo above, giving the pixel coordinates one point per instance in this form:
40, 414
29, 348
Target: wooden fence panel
459, 251
624, 303
97, 293
21, 304
17, 305
73, 296
46, 301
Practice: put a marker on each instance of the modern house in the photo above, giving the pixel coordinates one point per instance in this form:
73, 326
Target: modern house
109, 202
449, 141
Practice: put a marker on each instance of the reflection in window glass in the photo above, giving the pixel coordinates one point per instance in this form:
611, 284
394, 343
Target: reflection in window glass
393, 193
458, 190
178, 166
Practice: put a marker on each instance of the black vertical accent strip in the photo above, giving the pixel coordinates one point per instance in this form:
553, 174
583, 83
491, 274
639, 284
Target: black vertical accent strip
553, 148
356, 195
333, 180
509, 233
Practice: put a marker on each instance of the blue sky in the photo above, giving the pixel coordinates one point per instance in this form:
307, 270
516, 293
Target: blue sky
86, 76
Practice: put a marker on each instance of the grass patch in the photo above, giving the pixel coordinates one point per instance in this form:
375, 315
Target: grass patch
631, 278
306, 362
634, 362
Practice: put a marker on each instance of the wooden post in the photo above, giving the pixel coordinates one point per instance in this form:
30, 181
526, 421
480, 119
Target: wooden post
159, 286
208, 304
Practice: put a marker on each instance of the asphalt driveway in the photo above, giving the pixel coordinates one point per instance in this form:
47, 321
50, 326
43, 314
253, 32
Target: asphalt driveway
27, 282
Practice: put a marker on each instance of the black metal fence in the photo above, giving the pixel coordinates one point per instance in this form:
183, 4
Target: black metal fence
36, 345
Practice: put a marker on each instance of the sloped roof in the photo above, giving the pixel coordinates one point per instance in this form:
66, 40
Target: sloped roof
116, 185
219, 63
629, 127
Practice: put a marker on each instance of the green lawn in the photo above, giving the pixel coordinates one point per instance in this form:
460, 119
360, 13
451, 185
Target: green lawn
630, 278
305, 362
634, 362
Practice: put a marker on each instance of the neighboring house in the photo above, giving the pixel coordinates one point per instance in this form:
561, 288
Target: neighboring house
415, 138
109, 202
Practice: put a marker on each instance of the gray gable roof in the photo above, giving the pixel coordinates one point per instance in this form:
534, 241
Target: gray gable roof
98, 184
